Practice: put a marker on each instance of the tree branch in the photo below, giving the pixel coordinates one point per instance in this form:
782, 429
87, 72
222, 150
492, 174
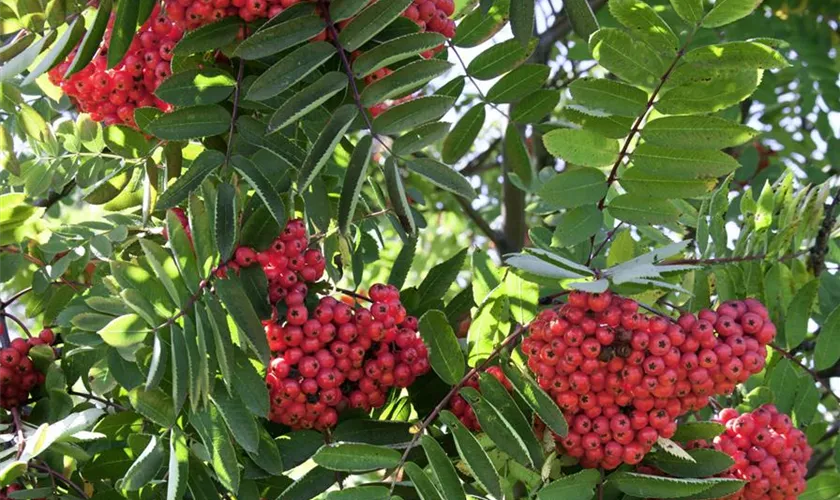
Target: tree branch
820, 248
92, 397
814, 375
46, 468
497, 239
511, 339
480, 163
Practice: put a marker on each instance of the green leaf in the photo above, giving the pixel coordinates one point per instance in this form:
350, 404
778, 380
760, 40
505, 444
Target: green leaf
125, 331
325, 145
489, 326
442, 176
827, 352
180, 367
499, 59
410, 114
824, 486
728, 11
402, 264
783, 381
629, 59
125, 141
196, 86
211, 428
697, 132
641, 210
610, 96
191, 122
209, 37
734, 55
581, 147
395, 50
122, 34
226, 223
306, 100
240, 422
497, 396
154, 405
221, 339
179, 465
399, 201
236, 302
720, 90
157, 365
577, 225
690, 431
577, 187
417, 139
666, 183
516, 158
707, 462
535, 106
642, 485
538, 400
404, 80
463, 134
249, 385
262, 186
310, 485
440, 278
373, 19
93, 38
423, 485
442, 469
474, 456
644, 22
690, 11
58, 51
267, 455
698, 164
578, 486
356, 457
445, 354
798, 313
581, 17
518, 83
522, 14
277, 38
163, 266
354, 180
496, 428
290, 70
480, 25
345, 9
145, 467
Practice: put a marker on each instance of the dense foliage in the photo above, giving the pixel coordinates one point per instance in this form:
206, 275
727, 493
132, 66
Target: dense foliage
353, 249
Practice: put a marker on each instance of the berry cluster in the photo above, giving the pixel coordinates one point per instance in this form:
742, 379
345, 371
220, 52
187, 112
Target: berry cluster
18, 375
288, 266
622, 377
461, 409
112, 95
770, 454
335, 357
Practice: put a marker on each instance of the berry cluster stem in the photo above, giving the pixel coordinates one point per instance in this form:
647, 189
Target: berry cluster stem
61, 477
510, 340
91, 397
21, 445
814, 375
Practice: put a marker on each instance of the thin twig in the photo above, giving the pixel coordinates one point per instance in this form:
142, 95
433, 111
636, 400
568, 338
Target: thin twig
481, 222
353, 294
474, 83
49, 470
512, 338
237, 90
4, 303
97, 399
814, 375
637, 125
604, 243
202, 285
16, 320
19, 431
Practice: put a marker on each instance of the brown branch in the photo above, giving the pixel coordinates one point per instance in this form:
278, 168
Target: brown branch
814, 375
511, 339
57, 475
14, 318
497, 238
19, 431
637, 125
820, 248
745, 258
351, 293
603, 243
480, 163
92, 397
